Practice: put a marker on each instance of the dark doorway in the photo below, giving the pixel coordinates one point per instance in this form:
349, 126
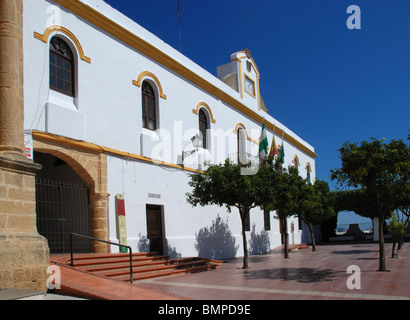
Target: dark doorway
154, 228
62, 205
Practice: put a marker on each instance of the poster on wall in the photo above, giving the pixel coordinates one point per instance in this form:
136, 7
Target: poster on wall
121, 223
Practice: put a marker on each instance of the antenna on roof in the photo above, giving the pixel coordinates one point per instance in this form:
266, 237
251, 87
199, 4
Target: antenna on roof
179, 26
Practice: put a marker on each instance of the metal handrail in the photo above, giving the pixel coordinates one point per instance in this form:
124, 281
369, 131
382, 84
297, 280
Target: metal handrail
92, 238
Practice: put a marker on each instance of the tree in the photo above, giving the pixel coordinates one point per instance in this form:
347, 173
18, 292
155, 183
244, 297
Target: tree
279, 190
397, 230
380, 171
315, 205
223, 185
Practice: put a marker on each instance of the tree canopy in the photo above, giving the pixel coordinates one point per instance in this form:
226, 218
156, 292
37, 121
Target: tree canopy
379, 172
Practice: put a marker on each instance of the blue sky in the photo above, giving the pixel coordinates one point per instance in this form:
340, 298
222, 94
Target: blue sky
326, 83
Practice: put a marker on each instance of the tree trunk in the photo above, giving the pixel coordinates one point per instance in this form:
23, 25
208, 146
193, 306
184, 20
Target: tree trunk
312, 236
243, 212
401, 242
285, 237
394, 247
382, 260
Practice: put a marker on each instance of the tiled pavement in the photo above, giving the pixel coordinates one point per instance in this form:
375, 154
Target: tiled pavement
305, 275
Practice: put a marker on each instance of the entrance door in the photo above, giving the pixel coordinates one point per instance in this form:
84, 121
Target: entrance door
63, 208
154, 228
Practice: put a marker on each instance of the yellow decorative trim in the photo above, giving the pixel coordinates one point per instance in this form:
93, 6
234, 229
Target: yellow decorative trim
259, 94
94, 147
308, 167
254, 85
246, 133
126, 36
295, 157
45, 36
144, 74
240, 72
253, 62
203, 104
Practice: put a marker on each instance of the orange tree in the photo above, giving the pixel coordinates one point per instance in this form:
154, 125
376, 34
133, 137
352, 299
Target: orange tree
380, 172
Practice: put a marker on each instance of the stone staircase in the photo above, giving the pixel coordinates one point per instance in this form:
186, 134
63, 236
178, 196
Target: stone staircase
144, 265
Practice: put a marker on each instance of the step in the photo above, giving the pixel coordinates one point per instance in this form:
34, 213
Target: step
102, 267
103, 260
90, 256
157, 274
144, 265
126, 271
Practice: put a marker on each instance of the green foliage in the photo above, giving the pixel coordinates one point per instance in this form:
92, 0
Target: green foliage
396, 228
222, 185
380, 170
380, 173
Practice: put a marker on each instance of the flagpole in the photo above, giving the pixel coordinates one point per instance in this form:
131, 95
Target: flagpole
179, 26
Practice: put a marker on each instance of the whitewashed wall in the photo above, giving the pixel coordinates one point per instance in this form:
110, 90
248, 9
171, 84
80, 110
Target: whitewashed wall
107, 111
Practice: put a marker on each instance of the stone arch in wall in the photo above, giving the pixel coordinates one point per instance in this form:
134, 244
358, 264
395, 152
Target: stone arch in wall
91, 166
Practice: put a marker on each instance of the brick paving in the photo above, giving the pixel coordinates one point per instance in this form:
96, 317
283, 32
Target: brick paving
306, 275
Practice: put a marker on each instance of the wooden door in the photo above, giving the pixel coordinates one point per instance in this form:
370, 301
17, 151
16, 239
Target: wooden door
154, 228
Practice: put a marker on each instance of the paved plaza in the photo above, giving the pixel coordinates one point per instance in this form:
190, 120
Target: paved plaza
305, 275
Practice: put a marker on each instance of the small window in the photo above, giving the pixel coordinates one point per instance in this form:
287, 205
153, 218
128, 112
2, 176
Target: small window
308, 173
149, 120
203, 126
61, 67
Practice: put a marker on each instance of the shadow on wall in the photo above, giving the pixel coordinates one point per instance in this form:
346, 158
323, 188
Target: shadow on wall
143, 246
258, 243
216, 242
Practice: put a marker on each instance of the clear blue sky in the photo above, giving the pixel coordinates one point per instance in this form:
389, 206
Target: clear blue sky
326, 83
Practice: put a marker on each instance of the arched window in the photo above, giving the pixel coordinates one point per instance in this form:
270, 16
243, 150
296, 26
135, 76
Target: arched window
61, 67
296, 162
308, 173
203, 126
149, 120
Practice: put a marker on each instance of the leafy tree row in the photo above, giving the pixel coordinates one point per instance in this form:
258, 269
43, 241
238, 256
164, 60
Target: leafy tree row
374, 175
271, 188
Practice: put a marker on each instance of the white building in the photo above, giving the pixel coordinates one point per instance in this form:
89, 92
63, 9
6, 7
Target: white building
110, 106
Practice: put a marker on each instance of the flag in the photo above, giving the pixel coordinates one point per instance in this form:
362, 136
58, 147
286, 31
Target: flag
282, 150
273, 151
282, 154
263, 143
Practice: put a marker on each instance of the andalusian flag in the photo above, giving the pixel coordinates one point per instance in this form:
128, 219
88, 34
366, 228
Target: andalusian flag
282, 154
263, 143
273, 150
282, 150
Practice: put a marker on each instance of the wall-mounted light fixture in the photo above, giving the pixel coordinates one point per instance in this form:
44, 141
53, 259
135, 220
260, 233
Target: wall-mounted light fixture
196, 142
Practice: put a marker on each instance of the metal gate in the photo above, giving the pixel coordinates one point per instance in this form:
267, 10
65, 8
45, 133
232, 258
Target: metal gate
62, 208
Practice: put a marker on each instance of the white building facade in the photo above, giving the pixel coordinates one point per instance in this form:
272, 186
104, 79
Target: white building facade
112, 108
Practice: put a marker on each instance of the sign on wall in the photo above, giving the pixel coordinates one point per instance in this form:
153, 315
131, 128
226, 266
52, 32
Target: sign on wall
121, 223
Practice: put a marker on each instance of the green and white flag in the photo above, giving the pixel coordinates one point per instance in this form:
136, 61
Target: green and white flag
282, 150
263, 143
